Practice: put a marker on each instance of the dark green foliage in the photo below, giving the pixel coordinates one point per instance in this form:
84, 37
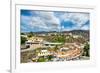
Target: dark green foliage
50, 57
42, 59
56, 38
86, 50
22, 33
23, 39
30, 34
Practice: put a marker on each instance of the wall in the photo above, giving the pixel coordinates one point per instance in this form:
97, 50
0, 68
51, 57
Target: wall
5, 36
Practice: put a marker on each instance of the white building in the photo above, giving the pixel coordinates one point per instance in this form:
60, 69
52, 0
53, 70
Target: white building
64, 48
49, 44
44, 53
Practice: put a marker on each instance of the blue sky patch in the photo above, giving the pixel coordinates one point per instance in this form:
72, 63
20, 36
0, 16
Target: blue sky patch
36, 21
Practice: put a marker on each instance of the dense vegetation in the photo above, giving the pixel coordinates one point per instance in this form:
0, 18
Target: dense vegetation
56, 38
86, 50
30, 34
23, 39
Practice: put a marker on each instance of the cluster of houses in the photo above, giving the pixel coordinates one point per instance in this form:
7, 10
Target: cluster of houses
71, 52
67, 51
37, 42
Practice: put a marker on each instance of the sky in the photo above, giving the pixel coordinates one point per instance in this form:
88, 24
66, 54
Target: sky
37, 21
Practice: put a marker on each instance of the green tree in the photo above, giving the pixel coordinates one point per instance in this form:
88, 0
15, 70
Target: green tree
23, 39
56, 48
30, 34
42, 59
86, 50
50, 57
22, 33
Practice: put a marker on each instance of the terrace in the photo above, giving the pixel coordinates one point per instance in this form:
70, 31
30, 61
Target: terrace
70, 52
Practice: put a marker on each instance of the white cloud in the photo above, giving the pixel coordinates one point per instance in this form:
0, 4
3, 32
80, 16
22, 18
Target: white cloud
25, 19
85, 27
46, 20
37, 22
32, 22
68, 28
49, 21
77, 18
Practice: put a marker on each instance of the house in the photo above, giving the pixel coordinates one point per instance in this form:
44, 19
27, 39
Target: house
71, 51
35, 39
44, 53
50, 44
34, 42
64, 49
